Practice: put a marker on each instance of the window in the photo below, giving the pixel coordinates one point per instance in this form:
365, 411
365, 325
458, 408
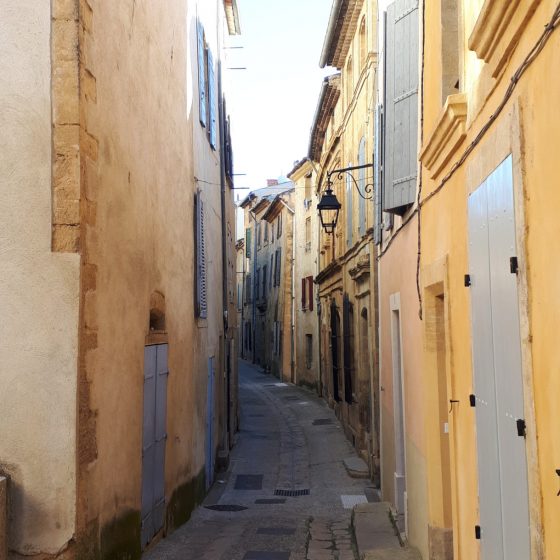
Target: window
279, 226
277, 267
201, 302
307, 293
264, 280
277, 339
258, 285
349, 369
349, 78
362, 226
248, 294
308, 234
259, 240
308, 187
349, 209
363, 43
271, 268
309, 350
266, 233
450, 49
206, 87
248, 236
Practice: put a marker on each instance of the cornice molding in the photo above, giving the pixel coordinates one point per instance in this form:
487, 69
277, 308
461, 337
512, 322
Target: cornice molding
497, 30
447, 136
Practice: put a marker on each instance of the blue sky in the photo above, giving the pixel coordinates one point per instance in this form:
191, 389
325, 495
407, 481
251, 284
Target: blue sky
273, 102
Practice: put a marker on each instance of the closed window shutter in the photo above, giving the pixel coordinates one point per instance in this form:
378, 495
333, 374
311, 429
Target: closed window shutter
248, 243
271, 269
201, 75
349, 210
310, 283
201, 282
211, 101
401, 106
279, 267
303, 292
362, 187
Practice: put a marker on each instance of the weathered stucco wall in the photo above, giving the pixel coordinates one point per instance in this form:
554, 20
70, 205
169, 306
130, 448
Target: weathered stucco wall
139, 240
38, 297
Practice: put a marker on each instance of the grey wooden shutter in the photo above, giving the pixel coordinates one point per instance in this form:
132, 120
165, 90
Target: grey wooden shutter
401, 106
201, 301
362, 186
349, 210
248, 242
211, 101
310, 282
201, 75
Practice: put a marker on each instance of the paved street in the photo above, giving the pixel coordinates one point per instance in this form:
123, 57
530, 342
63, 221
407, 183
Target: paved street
287, 484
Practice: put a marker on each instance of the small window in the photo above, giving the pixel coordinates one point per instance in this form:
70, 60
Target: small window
349, 78
265, 233
309, 351
264, 280
308, 234
279, 226
308, 187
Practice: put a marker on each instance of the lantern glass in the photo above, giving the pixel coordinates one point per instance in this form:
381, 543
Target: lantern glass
329, 208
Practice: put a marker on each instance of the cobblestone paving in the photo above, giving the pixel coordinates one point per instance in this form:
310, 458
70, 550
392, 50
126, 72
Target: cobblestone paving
279, 452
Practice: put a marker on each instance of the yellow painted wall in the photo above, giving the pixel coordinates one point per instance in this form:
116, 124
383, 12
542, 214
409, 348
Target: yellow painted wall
528, 129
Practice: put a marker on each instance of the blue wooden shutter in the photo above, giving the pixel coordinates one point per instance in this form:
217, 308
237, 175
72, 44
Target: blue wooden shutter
212, 102
349, 210
201, 300
362, 186
201, 75
401, 106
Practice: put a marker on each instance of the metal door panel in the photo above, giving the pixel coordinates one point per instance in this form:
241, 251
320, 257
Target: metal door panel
507, 363
484, 385
154, 440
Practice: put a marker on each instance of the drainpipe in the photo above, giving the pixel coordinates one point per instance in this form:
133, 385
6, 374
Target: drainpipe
292, 311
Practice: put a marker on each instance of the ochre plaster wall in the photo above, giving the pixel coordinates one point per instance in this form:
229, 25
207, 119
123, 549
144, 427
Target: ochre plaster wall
38, 297
528, 129
139, 240
397, 274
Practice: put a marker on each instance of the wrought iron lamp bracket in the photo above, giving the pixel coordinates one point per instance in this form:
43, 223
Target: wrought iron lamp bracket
368, 187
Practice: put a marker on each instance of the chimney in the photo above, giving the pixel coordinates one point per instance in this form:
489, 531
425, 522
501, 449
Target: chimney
271, 182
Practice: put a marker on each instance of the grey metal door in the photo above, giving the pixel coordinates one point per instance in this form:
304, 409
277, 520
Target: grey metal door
502, 467
154, 437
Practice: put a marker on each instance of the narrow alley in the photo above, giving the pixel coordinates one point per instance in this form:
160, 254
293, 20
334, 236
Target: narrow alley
287, 494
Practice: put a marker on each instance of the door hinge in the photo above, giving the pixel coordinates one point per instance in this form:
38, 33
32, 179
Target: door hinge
513, 265
467, 280
472, 400
521, 427
477, 532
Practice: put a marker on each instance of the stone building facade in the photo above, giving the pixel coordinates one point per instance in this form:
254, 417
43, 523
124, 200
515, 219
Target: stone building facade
105, 287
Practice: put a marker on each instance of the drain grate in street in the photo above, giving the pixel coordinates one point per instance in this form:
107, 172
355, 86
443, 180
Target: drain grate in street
291, 493
248, 482
322, 421
226, 507
270, 501
276, 531
266, 555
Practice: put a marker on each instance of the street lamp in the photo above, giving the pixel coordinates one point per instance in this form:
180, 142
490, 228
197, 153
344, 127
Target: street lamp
329, 206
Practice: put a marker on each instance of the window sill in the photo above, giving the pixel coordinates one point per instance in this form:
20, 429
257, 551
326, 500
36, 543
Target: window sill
447, 136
